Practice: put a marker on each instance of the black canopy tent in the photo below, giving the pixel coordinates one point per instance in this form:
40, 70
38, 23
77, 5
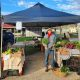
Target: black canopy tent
41, 16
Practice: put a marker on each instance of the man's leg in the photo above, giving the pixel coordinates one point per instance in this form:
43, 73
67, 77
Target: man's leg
46, 59
52, 59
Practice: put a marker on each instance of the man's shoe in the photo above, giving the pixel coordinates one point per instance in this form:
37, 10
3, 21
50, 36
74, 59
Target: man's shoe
46, 70
54, 69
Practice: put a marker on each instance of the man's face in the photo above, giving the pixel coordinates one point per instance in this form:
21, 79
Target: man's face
49, 32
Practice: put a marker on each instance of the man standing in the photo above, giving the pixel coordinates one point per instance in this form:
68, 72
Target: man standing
49, 49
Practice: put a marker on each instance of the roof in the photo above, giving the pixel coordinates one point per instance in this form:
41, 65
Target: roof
8, 26
40, 15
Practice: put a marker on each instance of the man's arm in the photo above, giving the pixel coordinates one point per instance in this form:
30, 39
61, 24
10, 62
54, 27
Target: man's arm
46, 36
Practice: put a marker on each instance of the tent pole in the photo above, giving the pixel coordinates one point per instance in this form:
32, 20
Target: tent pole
1, 35
60, 30
78, 29
14, 36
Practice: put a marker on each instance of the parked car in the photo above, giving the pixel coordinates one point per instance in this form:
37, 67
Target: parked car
8, 39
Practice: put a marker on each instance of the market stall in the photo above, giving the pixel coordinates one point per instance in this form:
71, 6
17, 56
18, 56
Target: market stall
41, 16
13, 59
68, 54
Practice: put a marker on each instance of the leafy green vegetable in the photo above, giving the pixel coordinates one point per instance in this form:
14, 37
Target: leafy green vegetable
15, 49
61, 43
65, 69
78, 46
8, 51
45, 41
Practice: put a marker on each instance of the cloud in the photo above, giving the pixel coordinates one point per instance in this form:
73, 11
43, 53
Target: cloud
5, 13
30, 4
70, 5
77, 12
23, 3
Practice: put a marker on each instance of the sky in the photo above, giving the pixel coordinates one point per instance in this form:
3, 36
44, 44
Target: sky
69, 6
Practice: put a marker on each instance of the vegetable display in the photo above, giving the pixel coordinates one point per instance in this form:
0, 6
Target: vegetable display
45, 41
61, 43
15, 49
8, 52
63, 51
70, 45
65, 69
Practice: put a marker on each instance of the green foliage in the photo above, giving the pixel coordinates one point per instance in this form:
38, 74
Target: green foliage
58, 44
78, 46
58, 39
45, 41
61, 43
77, 43
65, 69
15, 49
20, 39
8, 51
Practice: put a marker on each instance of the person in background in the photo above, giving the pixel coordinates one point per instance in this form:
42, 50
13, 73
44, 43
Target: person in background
49, 50
43, 34
66, 36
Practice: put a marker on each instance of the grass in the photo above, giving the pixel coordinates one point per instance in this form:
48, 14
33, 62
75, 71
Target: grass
21, 39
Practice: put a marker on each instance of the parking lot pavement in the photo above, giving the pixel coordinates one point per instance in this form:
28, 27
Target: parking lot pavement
42, 75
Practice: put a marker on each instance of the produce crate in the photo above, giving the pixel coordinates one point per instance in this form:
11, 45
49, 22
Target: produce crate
13, 62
